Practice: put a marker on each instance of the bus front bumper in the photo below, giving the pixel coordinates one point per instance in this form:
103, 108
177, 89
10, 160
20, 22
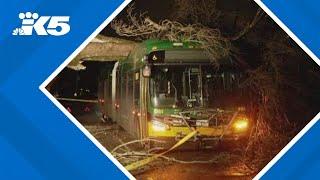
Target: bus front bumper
217, 133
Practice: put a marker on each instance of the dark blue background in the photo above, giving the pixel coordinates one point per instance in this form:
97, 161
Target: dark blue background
36, 139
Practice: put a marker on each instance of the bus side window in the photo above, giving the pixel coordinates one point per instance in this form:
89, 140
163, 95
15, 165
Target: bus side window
129, 90
118, 88
123, 92
136, 90
126, 81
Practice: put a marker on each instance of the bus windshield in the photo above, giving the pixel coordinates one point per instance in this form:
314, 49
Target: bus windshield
190, 86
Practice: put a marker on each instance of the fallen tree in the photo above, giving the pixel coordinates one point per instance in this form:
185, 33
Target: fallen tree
103, 48
142, 27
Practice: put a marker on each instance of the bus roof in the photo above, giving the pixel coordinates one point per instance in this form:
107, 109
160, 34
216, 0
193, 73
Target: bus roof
157, 45
170, 52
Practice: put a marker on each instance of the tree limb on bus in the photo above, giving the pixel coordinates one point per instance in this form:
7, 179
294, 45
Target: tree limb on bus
103, 48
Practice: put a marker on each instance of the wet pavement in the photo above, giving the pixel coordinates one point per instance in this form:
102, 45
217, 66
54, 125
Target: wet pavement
225, 164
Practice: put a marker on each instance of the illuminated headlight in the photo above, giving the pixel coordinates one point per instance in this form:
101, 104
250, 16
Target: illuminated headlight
159, 126
241, 124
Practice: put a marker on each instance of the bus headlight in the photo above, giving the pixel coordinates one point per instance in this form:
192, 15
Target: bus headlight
240, 124
159, 126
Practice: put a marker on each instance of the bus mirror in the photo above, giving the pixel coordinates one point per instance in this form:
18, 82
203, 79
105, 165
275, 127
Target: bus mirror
146, 72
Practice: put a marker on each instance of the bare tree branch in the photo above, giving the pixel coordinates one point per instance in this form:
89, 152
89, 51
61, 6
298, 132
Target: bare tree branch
250, 25
142, 27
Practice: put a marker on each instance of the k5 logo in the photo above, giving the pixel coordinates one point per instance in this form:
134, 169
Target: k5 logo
57, 25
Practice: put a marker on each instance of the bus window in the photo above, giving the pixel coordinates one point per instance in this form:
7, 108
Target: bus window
136, 90
130, 89
123, 87
221, 88
118, 89
190, 86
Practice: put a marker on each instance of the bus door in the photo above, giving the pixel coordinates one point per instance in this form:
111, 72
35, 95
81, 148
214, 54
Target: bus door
144, 91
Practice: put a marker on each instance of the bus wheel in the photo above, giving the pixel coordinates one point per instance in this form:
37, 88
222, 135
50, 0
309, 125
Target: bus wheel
106, 118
